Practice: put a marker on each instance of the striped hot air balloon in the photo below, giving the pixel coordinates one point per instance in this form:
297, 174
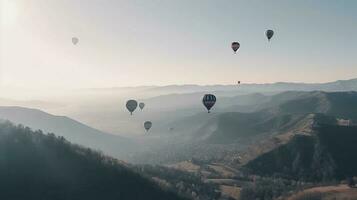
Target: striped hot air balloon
208, 101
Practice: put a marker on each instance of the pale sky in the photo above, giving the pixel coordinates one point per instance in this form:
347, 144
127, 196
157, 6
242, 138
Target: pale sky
161, 42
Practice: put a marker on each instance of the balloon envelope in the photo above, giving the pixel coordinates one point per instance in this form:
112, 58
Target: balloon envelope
269, 34
147, 125
208, 101
141, 105
131, 105
235, 46
75, 40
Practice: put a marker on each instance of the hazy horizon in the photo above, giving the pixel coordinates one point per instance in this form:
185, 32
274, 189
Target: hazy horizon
137, 43
178, 99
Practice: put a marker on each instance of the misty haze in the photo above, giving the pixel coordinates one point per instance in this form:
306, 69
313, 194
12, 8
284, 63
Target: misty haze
178, 100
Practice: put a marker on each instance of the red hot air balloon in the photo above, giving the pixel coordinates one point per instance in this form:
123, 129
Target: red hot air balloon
235, 46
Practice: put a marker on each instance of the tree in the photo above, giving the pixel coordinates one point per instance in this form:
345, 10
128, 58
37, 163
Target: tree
350, 182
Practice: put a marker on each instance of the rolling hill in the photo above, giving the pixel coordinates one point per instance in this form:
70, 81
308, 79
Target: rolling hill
72, 130
277, 114
329, 153
239, 127
273, 121
339, 104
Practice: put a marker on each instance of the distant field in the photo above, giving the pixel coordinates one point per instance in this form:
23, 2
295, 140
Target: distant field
186, 166
223, 170
231, 191
340, 192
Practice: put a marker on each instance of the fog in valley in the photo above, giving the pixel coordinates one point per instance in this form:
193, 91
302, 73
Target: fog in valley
204, 100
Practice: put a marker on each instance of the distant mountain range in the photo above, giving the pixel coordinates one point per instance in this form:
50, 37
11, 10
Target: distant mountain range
254, 118
72, 130
104, 108
340, 85
183, 129
258, 113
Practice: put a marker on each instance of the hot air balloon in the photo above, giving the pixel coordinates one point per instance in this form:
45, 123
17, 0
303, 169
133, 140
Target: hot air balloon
235, 46
147, 125
269, 33
238, 82
141, 105
208, 101
131, 105
75, 40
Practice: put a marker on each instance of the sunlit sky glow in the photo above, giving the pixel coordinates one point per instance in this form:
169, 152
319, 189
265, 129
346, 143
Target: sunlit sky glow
161, 42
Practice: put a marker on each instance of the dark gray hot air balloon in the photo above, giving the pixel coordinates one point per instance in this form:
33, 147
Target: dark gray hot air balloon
147, 125
269, 33
141, 105
75, 40
131, 105
208, 101
235, 46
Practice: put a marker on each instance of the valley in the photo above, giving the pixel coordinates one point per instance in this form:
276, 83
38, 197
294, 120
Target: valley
247, 139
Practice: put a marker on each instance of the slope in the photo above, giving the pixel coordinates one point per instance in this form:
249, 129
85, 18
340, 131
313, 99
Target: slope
339, 104
329, 153
38, 166
70, 129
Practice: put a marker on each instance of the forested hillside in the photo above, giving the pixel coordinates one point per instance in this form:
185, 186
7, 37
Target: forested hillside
38, 166
327, 155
